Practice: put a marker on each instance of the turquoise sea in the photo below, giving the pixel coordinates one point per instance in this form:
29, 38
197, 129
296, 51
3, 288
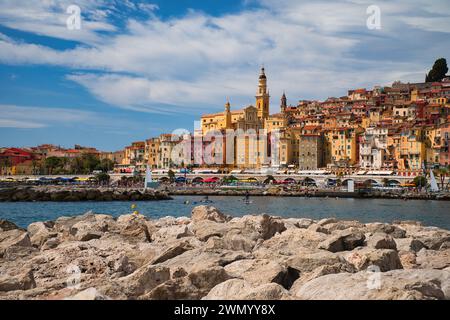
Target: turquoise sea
431, 213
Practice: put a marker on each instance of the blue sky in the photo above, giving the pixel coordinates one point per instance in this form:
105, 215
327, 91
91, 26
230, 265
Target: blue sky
140, 68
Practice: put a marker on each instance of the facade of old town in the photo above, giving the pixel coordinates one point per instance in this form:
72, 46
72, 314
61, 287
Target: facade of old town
402, 128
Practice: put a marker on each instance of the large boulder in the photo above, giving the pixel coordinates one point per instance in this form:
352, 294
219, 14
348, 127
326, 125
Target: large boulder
431, 237
134, 228
307, 262
92, 228
82, 232
14, 237
408, 259
238, 289
40, 232
193, 286
232, 240
141, 281
270, 226
302, 223
239, 233
64, 224
392, 285
199, 258
24, 281
394, 231
6, 225
262, 271
205, 229
381, 241
343, 241
384, 259
327, 221
318, 228
318, 272
433, 259
343, 225
15, 253
208, 213
264, 226
171, 232
173, 251
289, 243
409, 244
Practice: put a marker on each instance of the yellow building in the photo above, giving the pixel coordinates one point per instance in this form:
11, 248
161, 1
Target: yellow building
134, 154
342, 145
244, 118
432, 145
412, 149
152, 152
246, 123
275, 121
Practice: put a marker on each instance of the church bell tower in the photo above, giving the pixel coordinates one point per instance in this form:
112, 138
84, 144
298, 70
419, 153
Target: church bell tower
262, 96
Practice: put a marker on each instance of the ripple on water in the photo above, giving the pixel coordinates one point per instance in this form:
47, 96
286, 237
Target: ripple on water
433, 213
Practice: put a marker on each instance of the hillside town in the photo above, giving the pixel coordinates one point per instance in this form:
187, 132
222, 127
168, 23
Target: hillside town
403, 128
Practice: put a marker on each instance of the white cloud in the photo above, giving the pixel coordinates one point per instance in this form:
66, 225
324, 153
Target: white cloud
12, 116
310, 49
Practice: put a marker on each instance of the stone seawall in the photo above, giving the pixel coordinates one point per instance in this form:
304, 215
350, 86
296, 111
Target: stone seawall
66, 194
211, 255
308, 193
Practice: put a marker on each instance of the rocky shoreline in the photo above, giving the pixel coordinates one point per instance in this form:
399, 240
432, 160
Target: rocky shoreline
75, 194
66, 194
278, 192
211, 255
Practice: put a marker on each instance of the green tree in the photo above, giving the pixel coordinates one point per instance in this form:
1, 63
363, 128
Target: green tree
5, 163
103, 178
442, 174
90, 162
229, 179
438, 72
34, 165
76, 165
269, 179
420, 181
105, 165
52, 164
171, 176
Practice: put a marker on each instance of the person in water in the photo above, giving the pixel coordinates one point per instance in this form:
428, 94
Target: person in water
247, 196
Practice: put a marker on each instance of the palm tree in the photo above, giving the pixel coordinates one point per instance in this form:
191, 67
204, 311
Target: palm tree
269, 179
103, 178
5, 163
171, 176
420, 181
442, 174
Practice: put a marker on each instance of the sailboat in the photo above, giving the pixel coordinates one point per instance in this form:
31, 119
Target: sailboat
433, 184
148, 180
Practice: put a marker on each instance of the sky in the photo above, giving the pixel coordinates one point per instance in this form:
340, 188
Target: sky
135, 69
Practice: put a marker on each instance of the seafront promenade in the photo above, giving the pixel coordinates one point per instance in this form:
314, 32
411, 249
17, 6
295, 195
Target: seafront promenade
318, 179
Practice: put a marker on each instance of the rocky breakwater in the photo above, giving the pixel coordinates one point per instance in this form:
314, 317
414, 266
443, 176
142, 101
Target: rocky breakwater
215, 256
71, 193
321, 193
